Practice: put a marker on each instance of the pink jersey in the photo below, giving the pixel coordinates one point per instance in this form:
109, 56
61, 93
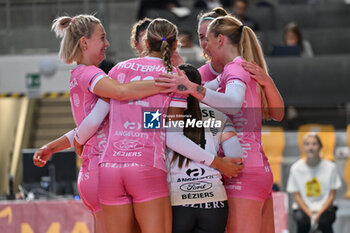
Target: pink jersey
82, 102
247, 121
207, 72
136, 134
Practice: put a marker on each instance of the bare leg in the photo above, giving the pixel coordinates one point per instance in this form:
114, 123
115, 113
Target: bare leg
244, 216
137, 227
268, 224
99, 222
154, 216
118, 218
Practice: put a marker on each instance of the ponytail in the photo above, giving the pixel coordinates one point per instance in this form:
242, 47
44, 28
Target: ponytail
211, 15
161, 36
166, 55
248, 46
250, 50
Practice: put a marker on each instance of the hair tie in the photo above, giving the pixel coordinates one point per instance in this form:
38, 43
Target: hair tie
206, 18
241, 28
164, 39
72, 20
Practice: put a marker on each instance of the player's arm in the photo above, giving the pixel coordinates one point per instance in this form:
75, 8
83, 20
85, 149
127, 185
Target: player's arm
229, 102
43, 154
90, 124
212, 85
110, 88
274, 98
177, 141
229, 141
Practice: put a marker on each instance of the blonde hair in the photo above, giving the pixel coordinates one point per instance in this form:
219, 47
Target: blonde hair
161, 36
71, 30
248, 46
211, 15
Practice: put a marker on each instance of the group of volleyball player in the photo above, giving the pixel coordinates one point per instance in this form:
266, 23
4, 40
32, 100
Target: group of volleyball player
135, 179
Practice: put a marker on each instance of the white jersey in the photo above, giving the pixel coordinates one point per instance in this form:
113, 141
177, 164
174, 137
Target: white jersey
198, 183
313, 183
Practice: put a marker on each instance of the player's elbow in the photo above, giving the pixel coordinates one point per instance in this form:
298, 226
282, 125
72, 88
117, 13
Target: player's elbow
280, 117
277, 115
235, 107
121, 93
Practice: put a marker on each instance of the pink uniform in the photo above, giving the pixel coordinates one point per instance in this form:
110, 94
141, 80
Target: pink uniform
82, 102
207, 72
255, 182
136, 139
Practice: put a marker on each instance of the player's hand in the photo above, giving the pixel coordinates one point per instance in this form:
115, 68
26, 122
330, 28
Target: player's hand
178, 82
229, 167
41, 156
257, 73
78, 148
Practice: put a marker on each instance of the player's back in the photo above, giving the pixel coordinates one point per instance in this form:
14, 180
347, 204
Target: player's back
136, 132
83, 101
247, 121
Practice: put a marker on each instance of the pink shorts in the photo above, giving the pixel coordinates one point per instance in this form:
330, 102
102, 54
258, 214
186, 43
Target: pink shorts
254, 183
88, 189
124, 183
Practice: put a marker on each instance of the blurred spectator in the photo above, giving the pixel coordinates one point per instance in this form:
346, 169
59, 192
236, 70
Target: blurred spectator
239, 8
265, 3
188, 50
313, 182
149, 4
292, 37
211, 4
172, 5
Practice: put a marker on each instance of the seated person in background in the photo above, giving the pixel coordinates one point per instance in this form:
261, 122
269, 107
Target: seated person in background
188, 50
292, 37
239, 8
211, 4
313, 181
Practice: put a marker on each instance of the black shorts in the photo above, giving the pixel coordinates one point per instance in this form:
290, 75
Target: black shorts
208, 217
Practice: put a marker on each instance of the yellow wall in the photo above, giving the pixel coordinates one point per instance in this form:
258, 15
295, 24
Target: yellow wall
9, 114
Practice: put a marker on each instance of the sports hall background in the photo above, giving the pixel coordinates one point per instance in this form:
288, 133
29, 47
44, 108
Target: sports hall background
34, 103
